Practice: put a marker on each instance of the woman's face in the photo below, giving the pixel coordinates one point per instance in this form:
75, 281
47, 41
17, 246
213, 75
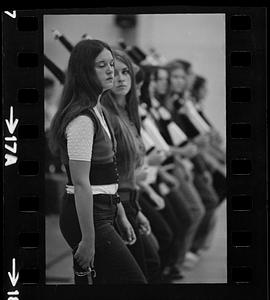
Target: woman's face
202, 92
138, 89
178, 80
162, 82
122, 79
104, 67
152, 86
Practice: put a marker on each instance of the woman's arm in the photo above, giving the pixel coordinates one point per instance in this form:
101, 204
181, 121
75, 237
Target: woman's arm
189, 150
83, 197
168, 178
157, 199
80, 133
126, 229
84, 206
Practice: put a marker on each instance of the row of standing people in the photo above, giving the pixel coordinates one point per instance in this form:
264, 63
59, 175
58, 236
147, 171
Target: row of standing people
135, 202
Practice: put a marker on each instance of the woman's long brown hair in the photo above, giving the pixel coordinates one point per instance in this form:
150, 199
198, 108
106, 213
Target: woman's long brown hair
127, 145
81, 91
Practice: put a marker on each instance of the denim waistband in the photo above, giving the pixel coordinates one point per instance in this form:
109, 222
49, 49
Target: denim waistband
130, 197
106, 199
127, 194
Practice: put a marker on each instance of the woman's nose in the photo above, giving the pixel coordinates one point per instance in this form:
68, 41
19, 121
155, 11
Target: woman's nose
110, 69
120, 77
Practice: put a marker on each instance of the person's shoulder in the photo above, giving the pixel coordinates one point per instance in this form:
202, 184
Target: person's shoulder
90, 114
83, 119
80, 122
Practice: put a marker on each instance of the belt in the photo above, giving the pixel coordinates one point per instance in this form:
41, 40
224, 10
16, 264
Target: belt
130, 195
106, 198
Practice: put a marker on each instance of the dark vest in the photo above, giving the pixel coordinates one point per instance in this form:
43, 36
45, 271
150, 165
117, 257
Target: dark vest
103, 168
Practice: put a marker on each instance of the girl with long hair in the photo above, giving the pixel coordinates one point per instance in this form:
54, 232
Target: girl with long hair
122, 104
82, 135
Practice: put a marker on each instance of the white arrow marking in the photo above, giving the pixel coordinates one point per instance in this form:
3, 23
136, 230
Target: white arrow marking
10, 160
12, 149
10, 123
12, 15
13, 278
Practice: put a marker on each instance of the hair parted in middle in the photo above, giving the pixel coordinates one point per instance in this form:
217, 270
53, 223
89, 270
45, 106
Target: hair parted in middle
131, 97
80, 92
127, 146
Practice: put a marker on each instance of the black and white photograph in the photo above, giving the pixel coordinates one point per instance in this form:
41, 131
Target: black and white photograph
135, 154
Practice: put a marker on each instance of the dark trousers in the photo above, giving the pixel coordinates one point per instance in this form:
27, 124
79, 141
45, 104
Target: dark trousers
113, 262
128, 198
170, 215
190, 209
160, 229
152, 259
219, 184
211, 201
143, 249
183, 213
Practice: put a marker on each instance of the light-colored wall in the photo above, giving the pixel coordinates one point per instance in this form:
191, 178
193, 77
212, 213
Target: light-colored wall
73, 27
198, 38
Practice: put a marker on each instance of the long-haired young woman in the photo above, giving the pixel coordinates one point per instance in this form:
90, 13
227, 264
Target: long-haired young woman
122, 104
82, 135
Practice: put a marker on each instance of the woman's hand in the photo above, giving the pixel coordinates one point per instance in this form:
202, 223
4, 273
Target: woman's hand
85, 255
215, 137
141, 174
190, 150
126, 230
143, 224
202, 141
156, 157
207, 177
159, 201
171, 180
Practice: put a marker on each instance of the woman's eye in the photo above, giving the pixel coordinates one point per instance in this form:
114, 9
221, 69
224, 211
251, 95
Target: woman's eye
101, 65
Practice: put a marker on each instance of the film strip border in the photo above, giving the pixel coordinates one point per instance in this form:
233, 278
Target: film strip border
246, 136
23, 154
23, 159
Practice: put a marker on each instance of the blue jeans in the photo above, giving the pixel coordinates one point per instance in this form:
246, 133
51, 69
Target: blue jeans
190, 210
113, 262
137, 249
152, 259
211, 201
160, 229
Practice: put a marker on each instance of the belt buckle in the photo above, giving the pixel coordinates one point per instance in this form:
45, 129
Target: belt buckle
117, 198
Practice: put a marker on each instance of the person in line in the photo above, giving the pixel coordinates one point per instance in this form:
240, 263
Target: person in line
82, 135
198, 94
122, 106
182, 196
151, 203
201, 177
